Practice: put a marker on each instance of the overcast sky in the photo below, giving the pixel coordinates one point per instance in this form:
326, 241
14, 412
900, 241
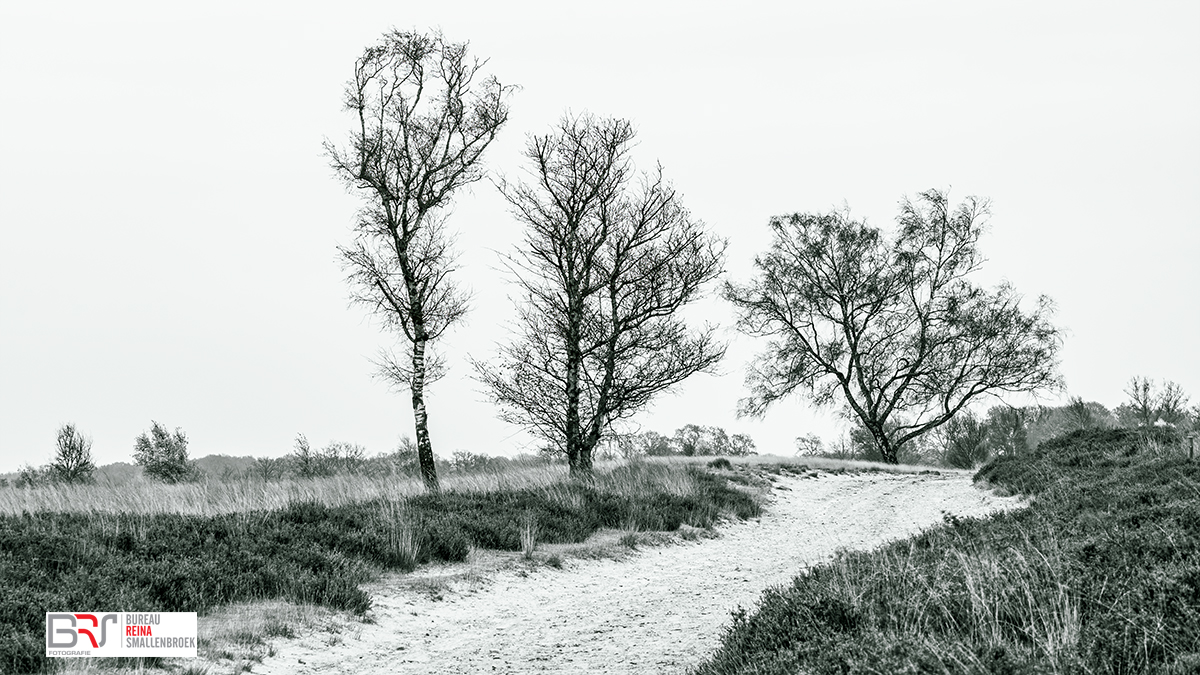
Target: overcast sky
170, 224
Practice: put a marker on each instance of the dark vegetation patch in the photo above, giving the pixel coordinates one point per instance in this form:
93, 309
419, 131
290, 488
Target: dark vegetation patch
307, 552
1101, 575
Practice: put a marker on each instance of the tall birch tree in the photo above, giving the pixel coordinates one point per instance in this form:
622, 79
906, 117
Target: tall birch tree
424, 113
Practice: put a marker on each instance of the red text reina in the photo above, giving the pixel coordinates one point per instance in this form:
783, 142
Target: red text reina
137, 630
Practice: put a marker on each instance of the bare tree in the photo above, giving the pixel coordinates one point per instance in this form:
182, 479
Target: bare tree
690, 439
894, 329
742, 445
424, 115
1172, 405
809, 445
73, 458
1148, 404
696, 439
608, 261
653, 444
1142, 405
1008, 429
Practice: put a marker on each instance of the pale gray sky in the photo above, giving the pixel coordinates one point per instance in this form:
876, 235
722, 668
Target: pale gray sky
169, 222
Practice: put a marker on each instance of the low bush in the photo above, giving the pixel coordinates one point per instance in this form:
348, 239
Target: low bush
1101, 575
164, 455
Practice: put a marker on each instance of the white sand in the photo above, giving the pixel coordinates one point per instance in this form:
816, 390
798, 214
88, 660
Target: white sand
661, 610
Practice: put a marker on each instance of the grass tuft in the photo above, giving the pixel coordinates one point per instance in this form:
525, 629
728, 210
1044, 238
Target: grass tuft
529, 534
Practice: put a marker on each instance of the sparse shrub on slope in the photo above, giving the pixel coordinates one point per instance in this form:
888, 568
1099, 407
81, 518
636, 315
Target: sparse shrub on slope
1078, 457
33, 476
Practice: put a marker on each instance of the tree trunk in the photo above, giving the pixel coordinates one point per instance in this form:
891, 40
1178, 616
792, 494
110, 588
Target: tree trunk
419, 338
576, 461
574, 435
888, 450
579, 452
421, 418
587, 448
601, 413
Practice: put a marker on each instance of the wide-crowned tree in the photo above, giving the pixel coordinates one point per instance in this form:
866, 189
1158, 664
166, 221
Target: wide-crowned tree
610, 258
423, 116
890, 327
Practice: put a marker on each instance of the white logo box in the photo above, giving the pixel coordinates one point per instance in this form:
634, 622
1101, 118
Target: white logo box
90, 634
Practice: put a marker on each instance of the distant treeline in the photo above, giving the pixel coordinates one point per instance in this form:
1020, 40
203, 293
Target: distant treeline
304, 462
163, 455
350, 458
690, 440
968, 439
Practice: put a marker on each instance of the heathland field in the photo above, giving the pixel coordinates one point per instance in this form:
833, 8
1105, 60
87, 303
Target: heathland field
1082, 556
195, 547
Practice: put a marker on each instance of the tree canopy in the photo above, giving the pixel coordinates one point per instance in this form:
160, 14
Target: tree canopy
890, 327
609, 259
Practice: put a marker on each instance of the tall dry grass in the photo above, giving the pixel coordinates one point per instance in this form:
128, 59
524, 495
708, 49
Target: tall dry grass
1016, 599
215, 497
210, 497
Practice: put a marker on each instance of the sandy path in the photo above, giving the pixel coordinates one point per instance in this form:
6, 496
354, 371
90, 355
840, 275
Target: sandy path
661, 610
